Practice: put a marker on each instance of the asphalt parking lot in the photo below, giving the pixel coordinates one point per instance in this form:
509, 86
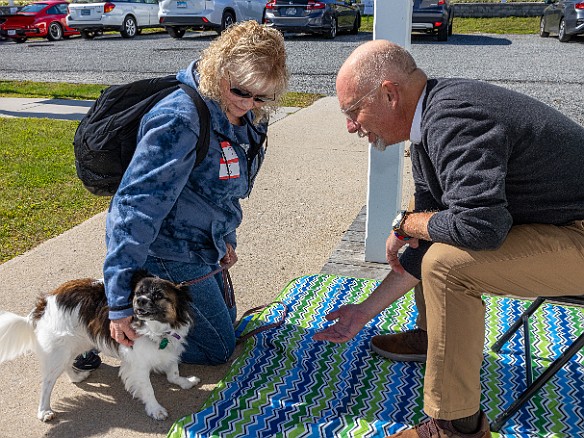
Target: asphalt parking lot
542, 67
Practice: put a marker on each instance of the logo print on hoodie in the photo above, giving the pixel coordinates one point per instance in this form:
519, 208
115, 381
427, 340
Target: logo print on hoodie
229, 164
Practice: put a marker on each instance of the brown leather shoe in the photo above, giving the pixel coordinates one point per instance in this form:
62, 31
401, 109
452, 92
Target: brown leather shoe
408, 346
433, 428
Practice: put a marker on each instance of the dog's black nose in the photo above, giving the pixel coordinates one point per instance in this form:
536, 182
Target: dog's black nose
142, 301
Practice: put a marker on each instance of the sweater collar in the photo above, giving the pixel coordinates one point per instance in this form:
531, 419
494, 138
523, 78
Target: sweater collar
416, 129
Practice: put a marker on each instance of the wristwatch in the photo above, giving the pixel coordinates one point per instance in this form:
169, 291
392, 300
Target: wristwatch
398, 224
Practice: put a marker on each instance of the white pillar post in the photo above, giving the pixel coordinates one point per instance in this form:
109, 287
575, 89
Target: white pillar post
392, 20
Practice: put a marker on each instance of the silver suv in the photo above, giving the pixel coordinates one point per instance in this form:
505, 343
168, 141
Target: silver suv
176, 16
129, 17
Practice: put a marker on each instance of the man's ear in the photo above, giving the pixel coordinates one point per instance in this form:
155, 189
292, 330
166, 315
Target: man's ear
390, 89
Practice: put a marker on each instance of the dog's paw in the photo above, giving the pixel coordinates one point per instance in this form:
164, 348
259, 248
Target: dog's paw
189, 382
46, 415
78, 376
157, 412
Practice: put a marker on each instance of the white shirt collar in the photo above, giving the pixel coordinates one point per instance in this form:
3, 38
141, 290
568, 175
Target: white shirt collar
416, 130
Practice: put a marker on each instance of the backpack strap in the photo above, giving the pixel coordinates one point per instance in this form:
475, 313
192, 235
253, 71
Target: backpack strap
204, 139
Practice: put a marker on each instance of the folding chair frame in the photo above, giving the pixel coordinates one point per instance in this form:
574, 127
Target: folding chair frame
556, 365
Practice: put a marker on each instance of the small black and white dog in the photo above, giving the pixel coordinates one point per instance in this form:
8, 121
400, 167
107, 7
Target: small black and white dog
74, 318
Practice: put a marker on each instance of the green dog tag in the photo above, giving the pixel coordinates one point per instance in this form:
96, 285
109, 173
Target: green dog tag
163, 344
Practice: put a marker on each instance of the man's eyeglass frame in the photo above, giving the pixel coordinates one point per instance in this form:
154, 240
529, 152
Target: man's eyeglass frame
353, 118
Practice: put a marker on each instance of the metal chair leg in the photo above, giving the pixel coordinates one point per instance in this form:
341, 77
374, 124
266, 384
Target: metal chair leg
518, 322
538, 383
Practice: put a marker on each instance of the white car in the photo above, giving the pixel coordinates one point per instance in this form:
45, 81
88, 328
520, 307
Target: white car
176, 16
93, 17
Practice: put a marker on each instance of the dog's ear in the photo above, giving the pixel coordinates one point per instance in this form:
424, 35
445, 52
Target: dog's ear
139, 275
184, 290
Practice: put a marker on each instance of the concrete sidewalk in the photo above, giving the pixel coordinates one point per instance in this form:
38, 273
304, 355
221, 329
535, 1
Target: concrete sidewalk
311, 188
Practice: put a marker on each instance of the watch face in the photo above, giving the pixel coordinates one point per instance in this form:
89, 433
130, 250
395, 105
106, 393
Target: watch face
397, 220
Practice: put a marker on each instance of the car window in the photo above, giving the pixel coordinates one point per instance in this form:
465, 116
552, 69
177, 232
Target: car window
53, 10
35, 7
151, 2
62, 8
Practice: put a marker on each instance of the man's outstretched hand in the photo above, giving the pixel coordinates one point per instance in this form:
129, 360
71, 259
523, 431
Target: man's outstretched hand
350, 320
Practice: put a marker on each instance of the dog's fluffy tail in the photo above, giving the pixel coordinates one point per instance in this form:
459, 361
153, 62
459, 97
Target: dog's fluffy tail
17, 336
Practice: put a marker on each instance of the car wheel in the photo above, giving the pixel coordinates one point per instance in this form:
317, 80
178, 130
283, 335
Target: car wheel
55, 32
129, 28
227, 20
443, 32
88, 35
356, 25
542, 32
332, 33
176, 32
562, 36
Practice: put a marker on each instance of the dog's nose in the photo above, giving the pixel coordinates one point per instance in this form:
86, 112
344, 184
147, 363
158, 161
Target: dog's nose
142, 301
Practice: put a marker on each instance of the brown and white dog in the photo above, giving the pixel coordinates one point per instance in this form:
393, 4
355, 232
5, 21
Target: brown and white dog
74, 318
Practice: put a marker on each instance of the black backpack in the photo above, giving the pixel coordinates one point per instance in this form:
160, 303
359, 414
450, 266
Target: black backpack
105, 139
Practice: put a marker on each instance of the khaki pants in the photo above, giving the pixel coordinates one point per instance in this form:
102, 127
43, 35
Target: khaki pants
535, 260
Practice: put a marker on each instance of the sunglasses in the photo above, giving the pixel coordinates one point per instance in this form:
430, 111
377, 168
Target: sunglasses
247, 95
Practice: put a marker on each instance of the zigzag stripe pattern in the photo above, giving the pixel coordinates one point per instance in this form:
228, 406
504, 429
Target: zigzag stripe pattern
286, 385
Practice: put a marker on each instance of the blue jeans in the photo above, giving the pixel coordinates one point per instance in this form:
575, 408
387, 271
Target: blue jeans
211, 340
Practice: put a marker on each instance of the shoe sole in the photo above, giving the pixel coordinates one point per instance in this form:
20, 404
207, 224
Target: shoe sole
421, 358
82, 370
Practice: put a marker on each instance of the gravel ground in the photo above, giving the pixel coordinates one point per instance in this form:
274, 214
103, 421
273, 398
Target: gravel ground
541, 67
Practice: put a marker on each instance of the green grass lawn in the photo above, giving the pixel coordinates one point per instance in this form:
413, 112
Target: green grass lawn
40, 195
506, 25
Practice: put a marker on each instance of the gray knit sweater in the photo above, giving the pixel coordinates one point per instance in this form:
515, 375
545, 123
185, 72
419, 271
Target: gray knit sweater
491, 158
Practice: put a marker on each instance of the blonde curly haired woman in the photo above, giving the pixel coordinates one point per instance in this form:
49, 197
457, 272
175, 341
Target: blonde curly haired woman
177, 220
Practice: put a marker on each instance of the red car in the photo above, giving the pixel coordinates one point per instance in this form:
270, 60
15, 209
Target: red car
41, 19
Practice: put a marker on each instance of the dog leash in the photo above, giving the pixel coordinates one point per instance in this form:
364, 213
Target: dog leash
228, 292
263, 328
229, 297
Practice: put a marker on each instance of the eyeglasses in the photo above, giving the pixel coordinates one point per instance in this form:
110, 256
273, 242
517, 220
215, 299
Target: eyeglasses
247, 95
350, 112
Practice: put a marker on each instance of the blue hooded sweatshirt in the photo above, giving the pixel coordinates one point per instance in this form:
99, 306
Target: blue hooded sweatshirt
165, 206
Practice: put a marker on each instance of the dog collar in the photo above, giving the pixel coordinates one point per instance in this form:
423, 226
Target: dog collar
164, 341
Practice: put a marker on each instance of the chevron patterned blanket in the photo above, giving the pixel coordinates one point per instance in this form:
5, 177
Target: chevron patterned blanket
286, 385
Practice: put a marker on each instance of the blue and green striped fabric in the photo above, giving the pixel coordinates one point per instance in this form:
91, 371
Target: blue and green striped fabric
286, 385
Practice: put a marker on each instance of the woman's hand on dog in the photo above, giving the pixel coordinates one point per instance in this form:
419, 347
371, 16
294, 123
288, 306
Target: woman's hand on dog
122, 332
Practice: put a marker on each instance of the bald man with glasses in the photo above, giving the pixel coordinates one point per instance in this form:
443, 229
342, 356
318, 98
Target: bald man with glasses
498, 209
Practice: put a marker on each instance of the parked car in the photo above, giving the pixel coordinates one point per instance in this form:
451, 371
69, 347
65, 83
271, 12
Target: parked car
41, 19
176, 16
129, 17
324, 17
433, 16
564, 17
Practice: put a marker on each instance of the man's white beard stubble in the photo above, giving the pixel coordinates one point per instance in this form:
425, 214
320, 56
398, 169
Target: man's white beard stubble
379, 144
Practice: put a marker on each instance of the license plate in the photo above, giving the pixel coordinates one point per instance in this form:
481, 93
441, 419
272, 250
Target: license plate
291, 12
11, 32
181, 4
85, 12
